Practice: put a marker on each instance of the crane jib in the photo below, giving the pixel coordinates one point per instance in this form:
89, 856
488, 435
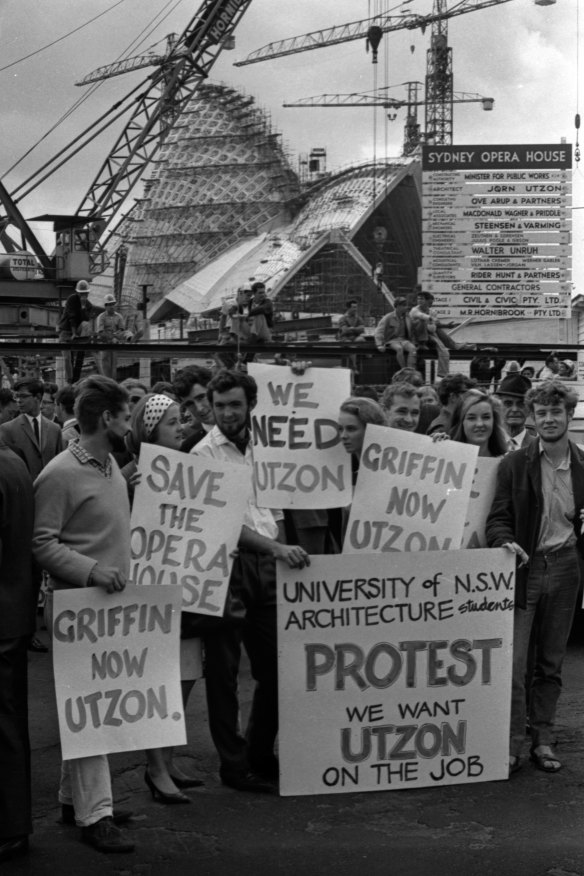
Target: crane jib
224, 19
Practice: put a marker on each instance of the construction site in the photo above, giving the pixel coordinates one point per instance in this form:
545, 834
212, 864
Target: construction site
200, 196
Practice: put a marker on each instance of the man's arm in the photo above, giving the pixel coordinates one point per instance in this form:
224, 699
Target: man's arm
500, 525
294, 555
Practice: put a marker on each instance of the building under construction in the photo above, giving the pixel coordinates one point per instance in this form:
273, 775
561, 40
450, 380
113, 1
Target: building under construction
223, 207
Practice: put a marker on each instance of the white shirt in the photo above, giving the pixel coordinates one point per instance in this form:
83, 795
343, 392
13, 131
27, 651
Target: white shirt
217, 446
517, 441
31, 421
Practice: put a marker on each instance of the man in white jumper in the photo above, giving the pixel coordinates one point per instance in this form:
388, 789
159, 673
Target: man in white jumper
82, 538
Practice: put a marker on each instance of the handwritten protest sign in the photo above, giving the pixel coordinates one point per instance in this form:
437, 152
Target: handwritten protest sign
299, 461
116, 662
395, 675
481, 499
186, 520
412, 493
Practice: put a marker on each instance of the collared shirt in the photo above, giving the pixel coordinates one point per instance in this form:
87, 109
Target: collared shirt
86, 458
217, 446
516, 442
557, 528
31, 421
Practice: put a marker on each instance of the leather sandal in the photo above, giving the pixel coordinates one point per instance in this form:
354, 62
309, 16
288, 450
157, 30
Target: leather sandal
545, 761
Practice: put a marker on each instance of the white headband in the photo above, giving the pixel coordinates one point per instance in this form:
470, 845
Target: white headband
154, 412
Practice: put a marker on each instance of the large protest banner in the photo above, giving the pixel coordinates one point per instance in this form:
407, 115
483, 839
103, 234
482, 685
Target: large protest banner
186, 521
412, 493
481, 499
299, 461
116, 663
395, 674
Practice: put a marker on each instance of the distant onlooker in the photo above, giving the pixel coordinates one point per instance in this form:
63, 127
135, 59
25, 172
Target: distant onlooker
351, 326
551, 367
427, 332
48, 402
365, 391
261, 315
190, 387
65, 403
394, 332
8, 405
74, 324
408, 375
136, 390
450, 392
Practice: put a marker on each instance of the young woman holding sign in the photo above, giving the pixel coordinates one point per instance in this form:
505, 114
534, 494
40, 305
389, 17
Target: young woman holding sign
354, 415
156, 420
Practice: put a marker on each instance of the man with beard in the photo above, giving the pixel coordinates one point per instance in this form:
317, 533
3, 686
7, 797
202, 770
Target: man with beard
246, 764
537, 513
82, 538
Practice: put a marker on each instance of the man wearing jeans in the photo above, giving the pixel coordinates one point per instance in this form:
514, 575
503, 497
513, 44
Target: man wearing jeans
537, 514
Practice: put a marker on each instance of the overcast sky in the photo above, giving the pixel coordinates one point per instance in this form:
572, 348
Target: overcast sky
522, 55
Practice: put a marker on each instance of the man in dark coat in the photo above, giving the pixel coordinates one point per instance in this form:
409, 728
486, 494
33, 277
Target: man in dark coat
30, 435
17, 620
537, 513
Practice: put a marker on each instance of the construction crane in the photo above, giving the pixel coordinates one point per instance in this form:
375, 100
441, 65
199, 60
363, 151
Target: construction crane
439, 78
152, 104
413, 137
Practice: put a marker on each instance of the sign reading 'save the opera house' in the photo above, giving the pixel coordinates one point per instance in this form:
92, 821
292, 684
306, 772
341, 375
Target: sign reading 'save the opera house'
497, 230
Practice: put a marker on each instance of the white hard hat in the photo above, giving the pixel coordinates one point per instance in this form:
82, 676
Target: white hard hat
109, 299
82, 286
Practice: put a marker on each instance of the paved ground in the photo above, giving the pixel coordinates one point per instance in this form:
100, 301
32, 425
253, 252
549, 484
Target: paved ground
532, 825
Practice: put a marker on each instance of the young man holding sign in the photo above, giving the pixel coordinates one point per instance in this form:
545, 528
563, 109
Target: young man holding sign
246, 764
82, 539
537, 514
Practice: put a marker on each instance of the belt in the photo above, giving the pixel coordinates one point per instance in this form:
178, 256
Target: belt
551, 556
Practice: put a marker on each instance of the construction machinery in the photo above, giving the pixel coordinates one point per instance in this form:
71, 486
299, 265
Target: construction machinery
27, 272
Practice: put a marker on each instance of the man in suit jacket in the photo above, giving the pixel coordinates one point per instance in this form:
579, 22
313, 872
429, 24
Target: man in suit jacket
35, 444
537, 513
512, 391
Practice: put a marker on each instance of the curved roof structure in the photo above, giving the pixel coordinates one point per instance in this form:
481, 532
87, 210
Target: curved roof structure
358, 234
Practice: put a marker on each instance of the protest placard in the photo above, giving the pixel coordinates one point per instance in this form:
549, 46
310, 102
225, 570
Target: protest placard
186, 521
481, 499
116, 664
299, 461
411, 494
395, 675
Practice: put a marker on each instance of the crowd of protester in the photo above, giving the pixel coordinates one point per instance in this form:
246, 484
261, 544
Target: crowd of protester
68, 467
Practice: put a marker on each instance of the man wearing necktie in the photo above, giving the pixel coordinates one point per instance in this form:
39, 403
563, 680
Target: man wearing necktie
511, 392
30, 435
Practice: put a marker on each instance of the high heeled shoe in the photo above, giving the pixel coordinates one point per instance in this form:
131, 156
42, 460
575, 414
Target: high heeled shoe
186, 782
163, 796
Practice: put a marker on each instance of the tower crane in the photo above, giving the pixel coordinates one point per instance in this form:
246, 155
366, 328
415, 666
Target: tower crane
162, 96
439, 78
412, 134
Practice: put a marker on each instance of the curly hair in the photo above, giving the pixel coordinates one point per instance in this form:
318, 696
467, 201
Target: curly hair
552, 392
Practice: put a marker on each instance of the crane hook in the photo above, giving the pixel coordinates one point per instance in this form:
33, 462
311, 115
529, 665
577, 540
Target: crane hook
374, 35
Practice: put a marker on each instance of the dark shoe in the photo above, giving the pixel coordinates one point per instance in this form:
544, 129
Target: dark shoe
120, 816
35, 644
267, 768
248, 782
11, 848
545, 761
106, 837
162, 796
186, 782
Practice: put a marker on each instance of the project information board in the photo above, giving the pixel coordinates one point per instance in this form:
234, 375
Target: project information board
496, 230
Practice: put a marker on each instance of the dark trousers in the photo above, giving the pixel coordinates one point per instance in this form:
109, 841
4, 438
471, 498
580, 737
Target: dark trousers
253, 584
15, 795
